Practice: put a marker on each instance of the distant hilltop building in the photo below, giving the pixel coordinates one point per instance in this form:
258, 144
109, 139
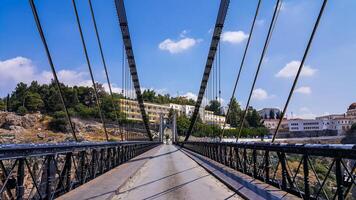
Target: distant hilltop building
132, 111
339, 124
269, 113
351, 111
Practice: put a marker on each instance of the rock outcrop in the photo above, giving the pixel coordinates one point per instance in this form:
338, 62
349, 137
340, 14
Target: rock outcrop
12, 121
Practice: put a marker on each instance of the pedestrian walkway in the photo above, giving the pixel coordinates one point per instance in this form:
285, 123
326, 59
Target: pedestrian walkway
170, 174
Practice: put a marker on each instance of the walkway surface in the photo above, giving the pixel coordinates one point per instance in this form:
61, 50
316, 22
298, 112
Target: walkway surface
170, 174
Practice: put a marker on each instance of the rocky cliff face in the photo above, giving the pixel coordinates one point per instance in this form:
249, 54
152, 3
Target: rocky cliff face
34, 128
12, 121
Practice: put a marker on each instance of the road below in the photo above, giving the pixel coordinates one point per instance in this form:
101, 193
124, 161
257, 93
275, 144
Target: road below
170, 174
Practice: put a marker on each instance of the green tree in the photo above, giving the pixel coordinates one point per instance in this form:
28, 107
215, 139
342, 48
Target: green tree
214, 105
2, 105
183, 123
33, 102
18, 96
149, 95
22, 110
58, 122
253, 119
234, 117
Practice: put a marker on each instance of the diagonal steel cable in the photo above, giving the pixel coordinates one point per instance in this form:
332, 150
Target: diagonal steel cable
269, 35
104, 64
90, 69
300, 68
49, 58
241, 65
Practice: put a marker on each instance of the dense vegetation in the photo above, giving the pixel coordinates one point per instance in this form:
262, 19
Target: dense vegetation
81, 103
45, 98
152, 97
252, 126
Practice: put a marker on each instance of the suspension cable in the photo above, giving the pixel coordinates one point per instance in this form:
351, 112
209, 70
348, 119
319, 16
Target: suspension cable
241, 65
270, 32
219, 72
90, 69
49, 57
104, 64
123, 89
300, 68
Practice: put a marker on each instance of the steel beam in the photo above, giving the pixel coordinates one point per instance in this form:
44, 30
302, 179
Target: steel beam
121, 13
224, 5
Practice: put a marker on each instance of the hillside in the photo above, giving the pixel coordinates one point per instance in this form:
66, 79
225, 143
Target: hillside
34, 128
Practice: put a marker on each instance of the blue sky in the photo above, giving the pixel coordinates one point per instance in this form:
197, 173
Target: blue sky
171, 40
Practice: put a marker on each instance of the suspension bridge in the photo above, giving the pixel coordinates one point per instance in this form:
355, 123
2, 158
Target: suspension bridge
143, 165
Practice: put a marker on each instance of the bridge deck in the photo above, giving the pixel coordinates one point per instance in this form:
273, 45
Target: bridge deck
170, 174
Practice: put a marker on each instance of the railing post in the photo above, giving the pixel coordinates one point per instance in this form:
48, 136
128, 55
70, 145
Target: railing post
306, 177
221, 153
225, 154
114, 154
93, 163
231, 158
20, 179
108, 160
69, 170
101, 167
82, 166
284, 170
245, 160
267, 167
237, 158
339, 179
254, 157
50, 176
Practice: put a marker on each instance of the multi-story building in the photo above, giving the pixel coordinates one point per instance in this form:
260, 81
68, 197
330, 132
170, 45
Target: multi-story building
336, 122
305, 125
340, 122
210, 118
132, 110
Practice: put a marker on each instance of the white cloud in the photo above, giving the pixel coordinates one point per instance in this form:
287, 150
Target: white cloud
21, 69
304, 113
178, 46
190, 95
234, 37
304, 90
71, 78
16, 70
291, 69
260, 94
305, 116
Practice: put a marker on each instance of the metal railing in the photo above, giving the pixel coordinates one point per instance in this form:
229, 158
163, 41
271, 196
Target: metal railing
310, 171
46, 171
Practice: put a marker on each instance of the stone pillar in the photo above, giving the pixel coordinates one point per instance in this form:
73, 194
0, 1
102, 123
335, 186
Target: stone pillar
161, 127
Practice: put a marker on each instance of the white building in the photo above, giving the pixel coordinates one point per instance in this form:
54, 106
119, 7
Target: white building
210, 118
206, 116
305, 125
340, 122
272, 124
